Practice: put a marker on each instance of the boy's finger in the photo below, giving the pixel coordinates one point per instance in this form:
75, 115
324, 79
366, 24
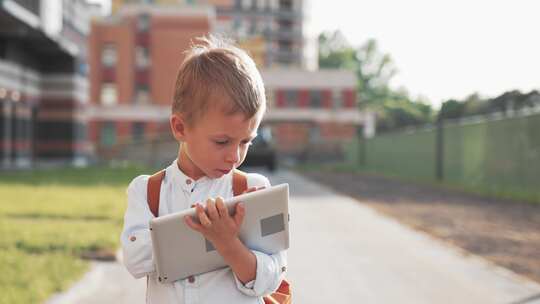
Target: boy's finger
240, 213
203, 218
191, 224
211, 209
220, 205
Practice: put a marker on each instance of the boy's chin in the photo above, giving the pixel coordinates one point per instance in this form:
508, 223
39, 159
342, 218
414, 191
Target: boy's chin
217, 173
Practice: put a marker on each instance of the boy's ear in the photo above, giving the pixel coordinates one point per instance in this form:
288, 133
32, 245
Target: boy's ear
178, 126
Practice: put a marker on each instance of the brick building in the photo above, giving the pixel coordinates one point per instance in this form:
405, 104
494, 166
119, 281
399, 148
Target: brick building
134, 58
271, 30
43, 84
313, 112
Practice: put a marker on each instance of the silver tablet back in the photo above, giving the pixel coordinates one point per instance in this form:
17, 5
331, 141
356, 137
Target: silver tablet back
180, 252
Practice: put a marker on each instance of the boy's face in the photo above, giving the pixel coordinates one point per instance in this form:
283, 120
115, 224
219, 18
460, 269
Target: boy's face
216, 143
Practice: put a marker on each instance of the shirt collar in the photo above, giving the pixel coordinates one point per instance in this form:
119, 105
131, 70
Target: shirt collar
180, 178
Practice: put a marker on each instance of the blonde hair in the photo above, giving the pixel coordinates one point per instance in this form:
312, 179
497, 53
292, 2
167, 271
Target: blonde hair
213, 67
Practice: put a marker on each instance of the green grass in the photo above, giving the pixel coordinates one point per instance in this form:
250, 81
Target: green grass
49, 218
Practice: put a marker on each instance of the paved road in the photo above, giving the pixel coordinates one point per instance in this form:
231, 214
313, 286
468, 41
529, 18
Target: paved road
344, 252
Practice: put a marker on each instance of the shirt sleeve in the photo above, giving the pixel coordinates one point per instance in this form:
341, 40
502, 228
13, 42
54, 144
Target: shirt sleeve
271, 269
135, 238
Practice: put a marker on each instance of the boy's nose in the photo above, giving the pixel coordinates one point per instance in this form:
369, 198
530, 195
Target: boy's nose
233, 156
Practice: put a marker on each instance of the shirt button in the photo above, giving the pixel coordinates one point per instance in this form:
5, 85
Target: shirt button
283, 268
132, 238
188, 181
191, 279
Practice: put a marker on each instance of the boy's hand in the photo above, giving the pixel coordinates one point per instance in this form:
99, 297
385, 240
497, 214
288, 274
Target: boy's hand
216, 224
221, 230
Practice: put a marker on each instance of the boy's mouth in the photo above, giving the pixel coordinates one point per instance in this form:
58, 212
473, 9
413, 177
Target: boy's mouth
224, 171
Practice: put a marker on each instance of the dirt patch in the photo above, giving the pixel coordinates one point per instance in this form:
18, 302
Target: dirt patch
504, 232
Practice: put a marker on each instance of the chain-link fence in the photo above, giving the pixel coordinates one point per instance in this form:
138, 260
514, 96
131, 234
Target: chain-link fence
495, 155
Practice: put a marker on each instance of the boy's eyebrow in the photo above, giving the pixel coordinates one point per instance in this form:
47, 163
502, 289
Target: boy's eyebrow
251, 137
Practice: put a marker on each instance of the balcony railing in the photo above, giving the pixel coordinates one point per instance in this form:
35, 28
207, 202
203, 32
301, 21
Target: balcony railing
32, 6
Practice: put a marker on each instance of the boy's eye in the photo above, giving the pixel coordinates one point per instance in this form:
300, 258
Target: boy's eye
225, 142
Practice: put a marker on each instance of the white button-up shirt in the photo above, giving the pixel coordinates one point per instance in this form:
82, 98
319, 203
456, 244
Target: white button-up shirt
179, 192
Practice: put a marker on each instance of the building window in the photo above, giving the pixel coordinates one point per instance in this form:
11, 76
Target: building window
253, 27
237, 23
246, 4
81, 131
142, 94
273, 5
315, 99
336, 99
108, 94
285, 5
142, 57
143, 23
261, 4
291, 98
108, 134
137, 132
314, 133
108, 55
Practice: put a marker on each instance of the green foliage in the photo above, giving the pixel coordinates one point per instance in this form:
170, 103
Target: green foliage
476, 105
49, 218
399, 113
374, 70
451, 109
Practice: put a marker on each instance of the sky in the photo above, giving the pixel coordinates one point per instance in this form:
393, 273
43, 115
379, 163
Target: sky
444, 49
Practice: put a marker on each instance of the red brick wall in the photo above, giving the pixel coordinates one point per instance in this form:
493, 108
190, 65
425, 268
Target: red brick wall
327, 99
303, 98
169, 38
337, 131
349, 98
290, 137
122, 35
93, 131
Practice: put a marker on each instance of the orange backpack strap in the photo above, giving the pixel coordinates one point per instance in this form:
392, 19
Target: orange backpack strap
153, 189
239, 182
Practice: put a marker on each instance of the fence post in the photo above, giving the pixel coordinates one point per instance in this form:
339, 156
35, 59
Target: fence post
439, 150
361, 146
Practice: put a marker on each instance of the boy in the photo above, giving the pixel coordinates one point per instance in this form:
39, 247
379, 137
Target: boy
219, 102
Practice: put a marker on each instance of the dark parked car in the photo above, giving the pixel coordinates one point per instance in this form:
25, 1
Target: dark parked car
261, 152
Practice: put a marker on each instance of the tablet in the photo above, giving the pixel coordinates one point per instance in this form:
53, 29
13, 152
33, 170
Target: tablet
180, 252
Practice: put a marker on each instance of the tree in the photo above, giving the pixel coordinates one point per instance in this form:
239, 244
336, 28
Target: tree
476, 105
374, 70
451, 109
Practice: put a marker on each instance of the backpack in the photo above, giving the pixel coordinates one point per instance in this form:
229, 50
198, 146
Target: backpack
283, 294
